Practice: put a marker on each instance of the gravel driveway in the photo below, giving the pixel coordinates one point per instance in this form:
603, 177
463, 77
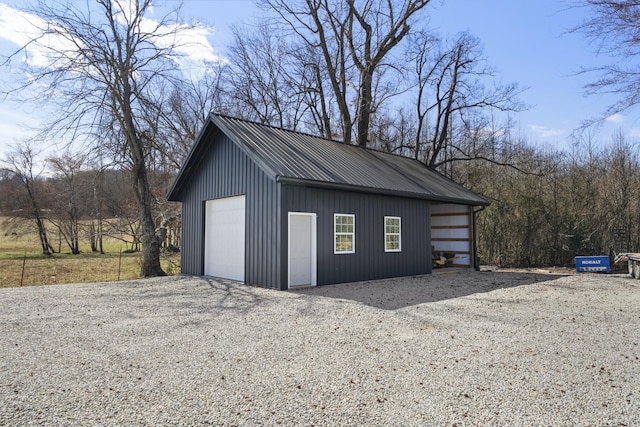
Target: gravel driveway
458, 348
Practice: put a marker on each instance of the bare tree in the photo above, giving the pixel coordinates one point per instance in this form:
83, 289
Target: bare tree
450, 97
72, 197
27, 168
614, 29
276, 79
265, 78
108, 73
185, 112
373, 30
314, 81
354, 38
321, 27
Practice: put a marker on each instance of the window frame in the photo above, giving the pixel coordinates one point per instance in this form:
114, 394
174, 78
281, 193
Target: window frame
388, 234
336, 233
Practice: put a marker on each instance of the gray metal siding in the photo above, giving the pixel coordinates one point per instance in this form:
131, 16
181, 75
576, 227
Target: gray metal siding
225, 171
370, 261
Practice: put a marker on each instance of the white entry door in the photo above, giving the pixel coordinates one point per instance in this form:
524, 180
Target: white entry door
302, 249
224, 238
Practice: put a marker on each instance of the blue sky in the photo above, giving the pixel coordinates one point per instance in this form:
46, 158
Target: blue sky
528, 42
525, 41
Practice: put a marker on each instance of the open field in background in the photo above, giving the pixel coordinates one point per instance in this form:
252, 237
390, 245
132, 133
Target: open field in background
64, 267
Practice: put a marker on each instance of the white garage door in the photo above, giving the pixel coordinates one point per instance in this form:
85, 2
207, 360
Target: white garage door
224, 238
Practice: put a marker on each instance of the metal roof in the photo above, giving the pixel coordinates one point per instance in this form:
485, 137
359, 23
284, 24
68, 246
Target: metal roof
294, 157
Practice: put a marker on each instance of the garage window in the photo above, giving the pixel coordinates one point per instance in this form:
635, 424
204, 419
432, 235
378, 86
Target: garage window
392, 234
344, 233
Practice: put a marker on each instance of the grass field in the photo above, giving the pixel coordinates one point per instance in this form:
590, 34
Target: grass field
22, 262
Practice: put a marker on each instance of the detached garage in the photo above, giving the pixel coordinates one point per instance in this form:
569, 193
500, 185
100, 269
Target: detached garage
280, 209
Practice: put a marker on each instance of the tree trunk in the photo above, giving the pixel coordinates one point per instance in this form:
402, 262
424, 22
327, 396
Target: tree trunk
441, 133
326, 121
100, 243
337, 71
150, 243
364, 110
92, 237
47, 249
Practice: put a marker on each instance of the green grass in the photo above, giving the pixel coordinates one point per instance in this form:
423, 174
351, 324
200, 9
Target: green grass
22, 261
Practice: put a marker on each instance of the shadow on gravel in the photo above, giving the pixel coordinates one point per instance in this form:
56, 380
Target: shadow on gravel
216, 296
232, 295
393, 294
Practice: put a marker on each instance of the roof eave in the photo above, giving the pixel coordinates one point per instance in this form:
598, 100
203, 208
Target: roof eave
387, 192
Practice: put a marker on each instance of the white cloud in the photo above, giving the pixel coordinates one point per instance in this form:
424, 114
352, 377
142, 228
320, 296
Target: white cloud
192, 45
545, 132
22, 28
189, 42
193, 48
615, 118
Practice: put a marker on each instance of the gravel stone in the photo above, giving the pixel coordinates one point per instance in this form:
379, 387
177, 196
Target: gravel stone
457, 348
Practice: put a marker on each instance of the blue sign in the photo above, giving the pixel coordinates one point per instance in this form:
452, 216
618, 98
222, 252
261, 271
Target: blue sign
590, 264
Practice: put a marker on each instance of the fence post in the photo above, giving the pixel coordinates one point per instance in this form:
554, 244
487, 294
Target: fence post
119, 262
24, 261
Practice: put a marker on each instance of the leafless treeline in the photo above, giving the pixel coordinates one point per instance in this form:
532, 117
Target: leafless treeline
582, 202
77, 204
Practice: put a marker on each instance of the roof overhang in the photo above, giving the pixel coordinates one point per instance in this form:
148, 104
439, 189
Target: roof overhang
480, 201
